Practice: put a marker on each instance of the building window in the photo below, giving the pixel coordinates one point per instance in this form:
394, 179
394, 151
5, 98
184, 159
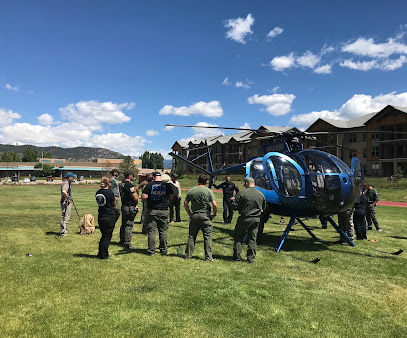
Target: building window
375, 136
364, 152
352, 138
375, 151
375, 166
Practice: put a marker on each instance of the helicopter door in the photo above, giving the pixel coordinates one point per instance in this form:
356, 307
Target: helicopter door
287, 178
358, 176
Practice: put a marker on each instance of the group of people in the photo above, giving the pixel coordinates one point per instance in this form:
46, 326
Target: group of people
161, 206
353, 220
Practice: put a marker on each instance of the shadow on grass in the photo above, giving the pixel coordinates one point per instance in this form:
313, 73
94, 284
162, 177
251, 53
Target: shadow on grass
398, 237
85, 255
50, 233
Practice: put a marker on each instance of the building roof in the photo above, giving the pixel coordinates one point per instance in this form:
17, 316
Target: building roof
355, 123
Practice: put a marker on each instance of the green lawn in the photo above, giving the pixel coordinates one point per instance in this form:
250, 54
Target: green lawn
62, 290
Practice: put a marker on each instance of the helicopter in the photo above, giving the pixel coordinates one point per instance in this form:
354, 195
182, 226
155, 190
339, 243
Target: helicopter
296, 182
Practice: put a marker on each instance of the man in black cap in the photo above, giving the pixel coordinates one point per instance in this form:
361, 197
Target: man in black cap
176, 200
116, 191
66, 202
129, 209
157, 194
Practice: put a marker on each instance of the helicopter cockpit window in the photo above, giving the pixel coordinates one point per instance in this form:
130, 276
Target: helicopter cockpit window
258, 174
289, 179
318, 163
343, 166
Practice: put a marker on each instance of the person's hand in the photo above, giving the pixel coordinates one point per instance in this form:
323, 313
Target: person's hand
212, 217
232, 198
137, 208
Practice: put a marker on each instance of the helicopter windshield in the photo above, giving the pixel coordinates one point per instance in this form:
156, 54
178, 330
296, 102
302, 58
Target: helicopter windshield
288, 177
258, 174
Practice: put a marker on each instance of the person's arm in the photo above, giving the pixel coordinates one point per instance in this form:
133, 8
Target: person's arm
376, 199
236, 189
64, 192
134, 197
186, 206
138, 190
235, 201
214, 209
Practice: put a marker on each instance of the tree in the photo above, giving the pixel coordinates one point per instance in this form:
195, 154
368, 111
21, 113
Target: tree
46, 169
30, 155
152, 160
128, 165
10, 156
46, 154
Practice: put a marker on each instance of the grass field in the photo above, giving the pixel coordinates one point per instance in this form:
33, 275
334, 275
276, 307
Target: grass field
62, 290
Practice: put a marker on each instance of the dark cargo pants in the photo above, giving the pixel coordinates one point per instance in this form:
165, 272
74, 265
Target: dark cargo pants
199, 221
371, 217
249, 225
157, 219
126, 230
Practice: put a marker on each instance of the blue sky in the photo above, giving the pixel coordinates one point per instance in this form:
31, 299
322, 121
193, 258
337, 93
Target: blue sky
112, 74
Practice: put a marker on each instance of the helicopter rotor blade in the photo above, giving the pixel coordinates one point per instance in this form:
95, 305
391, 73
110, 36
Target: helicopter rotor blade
210, 127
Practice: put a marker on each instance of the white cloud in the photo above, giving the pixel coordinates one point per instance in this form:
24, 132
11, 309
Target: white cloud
327, 49
45, 119
367, 47
246, 84
359, 65
226, 81
275, 89
393, 64
358, 105
280, 63
274, 32
326, 69
120, 142
152, 132
13, 88
303, 121
246, 126
168, 128
210, 109
94, 113
200, 133
308, 59
276, 104
239, 28
7, 117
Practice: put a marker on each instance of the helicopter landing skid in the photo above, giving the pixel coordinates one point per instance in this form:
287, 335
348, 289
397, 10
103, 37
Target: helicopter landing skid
291, 223
340, 231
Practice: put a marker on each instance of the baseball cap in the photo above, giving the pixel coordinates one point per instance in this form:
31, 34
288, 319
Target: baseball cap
156, 173
69, 174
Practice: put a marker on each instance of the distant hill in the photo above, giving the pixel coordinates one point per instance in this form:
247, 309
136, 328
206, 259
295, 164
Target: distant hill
78, 154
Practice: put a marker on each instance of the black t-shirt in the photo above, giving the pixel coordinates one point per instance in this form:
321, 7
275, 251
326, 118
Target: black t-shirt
105, 199
360, 205
126, 190
158, 193
228, 189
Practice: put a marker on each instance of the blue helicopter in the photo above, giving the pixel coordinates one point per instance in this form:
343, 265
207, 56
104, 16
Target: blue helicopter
297, 182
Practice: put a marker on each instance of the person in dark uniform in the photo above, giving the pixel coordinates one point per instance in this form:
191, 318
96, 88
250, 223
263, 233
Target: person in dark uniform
114, 187
228, 188
139, 190
359, 216
157, 194
250, 204
176, 200
129, 209
200, 218
106, 201
372, 199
